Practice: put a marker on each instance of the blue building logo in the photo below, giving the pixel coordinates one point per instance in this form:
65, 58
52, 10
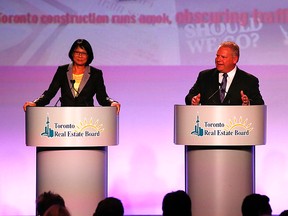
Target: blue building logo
47, 130
198, 131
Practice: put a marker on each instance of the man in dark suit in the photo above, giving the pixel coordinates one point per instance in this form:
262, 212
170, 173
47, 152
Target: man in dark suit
237, 88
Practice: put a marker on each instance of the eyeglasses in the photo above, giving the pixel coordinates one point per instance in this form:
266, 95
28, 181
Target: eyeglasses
80, 53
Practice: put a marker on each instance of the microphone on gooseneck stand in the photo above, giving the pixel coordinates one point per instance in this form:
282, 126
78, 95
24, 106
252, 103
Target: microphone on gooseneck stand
72, 83
220, 87
57, 102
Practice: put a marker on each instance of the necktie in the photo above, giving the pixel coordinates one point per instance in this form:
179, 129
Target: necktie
223, 87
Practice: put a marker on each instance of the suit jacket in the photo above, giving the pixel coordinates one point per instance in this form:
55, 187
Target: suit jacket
207, 85
92, 83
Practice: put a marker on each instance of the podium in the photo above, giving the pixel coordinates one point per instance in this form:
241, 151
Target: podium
71, 145
219, 154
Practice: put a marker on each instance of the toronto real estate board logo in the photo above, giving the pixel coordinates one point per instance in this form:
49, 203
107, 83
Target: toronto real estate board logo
83, 129
234, 127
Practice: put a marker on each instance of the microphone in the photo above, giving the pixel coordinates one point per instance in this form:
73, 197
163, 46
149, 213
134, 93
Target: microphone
56, 104
72, 83
220, 88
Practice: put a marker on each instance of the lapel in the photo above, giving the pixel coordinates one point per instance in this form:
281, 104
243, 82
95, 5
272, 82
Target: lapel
84, 78
213, 97
83, 81
69, 78
215, 79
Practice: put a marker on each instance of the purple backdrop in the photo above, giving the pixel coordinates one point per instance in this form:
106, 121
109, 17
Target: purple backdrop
149, 68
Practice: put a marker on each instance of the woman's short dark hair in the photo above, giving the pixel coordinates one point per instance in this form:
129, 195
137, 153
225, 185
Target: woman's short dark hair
83, 44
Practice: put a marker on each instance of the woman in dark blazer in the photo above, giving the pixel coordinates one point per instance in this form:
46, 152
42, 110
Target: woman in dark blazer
241, 88
79, 82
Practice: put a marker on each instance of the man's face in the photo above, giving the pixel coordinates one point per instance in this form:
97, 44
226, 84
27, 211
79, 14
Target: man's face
225, 61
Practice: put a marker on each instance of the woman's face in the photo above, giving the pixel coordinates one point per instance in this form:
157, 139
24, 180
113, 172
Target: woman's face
80, 56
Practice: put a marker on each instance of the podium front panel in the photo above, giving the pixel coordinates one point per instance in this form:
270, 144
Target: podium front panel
219, 125
71, 126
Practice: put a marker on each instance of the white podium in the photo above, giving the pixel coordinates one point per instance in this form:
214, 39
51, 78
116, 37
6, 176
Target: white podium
72, 152
219, 152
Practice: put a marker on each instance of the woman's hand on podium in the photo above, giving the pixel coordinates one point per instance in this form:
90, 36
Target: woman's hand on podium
117, 105
28, 103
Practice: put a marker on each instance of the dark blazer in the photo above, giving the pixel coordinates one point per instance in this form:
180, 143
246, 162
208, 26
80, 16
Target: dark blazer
92, 84
207, 85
